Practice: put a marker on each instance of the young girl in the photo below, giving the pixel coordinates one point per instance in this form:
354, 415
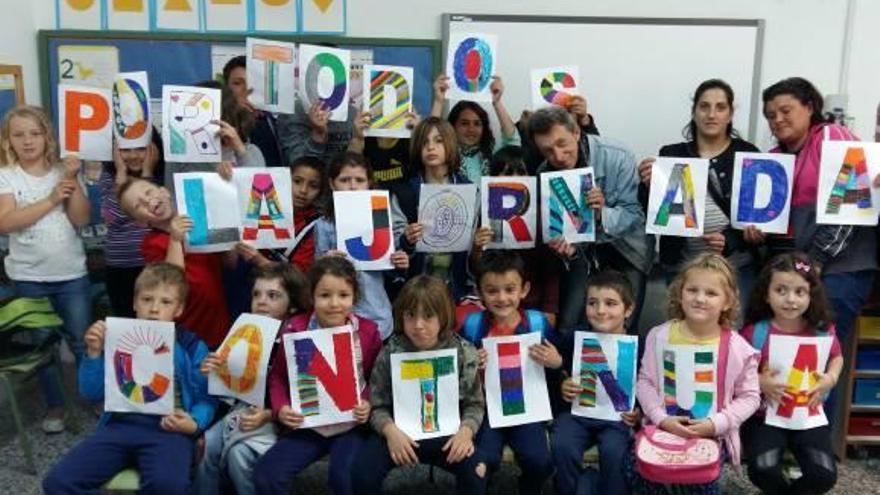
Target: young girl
424, 317
789, 300
41, 206
434, 160
349, 172
334, 287
703, 301
473, 132
235, 443
609, 305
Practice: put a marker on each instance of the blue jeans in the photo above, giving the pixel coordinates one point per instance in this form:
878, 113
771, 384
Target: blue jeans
572, 435
847, 293
72, 301
529, 444
239, 466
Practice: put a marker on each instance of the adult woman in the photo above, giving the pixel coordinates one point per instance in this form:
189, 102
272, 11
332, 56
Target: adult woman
710, 134
845, 255
476, 143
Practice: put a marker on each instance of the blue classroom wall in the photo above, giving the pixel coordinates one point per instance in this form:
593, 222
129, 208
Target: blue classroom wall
186, 62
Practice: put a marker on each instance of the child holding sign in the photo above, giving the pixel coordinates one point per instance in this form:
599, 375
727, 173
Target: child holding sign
424, 318
160, 447
42, 205
703, 302
335, 290
789, 300
242, 436
610, 304
501, 281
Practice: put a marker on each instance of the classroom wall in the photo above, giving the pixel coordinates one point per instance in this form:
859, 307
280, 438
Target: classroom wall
802, 37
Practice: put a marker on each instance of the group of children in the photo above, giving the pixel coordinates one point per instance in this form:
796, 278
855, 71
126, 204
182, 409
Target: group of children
262, 449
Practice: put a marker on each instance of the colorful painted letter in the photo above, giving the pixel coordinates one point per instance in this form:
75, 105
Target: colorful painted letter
845, 195
471, 63
323, 375
84, 116
132, 126
139, 366
187, 132
554, 86
270, 71
509, 209
680, 363
314, 87
677, 200
363, 215
389, 89
516, 388
265, 203
245, 355
595, 355
762, 190
564, 208
205, 198
448, 213
799, 360
425, 387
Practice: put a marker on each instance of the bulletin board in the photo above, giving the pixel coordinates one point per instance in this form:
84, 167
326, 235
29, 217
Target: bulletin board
186, 58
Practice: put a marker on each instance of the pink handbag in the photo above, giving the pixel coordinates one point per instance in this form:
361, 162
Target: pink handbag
666, 458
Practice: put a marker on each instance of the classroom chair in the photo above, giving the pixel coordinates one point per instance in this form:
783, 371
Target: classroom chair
20, 317
125, 481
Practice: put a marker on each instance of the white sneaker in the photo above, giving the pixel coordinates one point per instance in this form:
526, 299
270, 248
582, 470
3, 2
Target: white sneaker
52, 425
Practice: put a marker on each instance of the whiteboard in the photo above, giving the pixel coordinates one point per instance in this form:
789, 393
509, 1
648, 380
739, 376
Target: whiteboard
637, 74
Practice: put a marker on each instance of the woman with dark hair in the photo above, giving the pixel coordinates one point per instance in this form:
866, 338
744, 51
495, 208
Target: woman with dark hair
844, 255
710, 134
476, 143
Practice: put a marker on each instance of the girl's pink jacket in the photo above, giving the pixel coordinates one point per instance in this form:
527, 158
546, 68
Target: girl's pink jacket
742, 392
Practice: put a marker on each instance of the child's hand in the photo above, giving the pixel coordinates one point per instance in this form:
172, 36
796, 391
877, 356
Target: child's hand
631, 418
400, 260
72, 165
400, 445
546, 354
211, 363
441, 85
251, 254
714, 241
704, 428
335, 252
224, 170
179, 422
412, 120
151, 161
290, 418
645, 170
482, 357
497, 88
824, 384
319, 118
229, 136
770, 387
753, 235
119, 164
570, 389
362, 412
181, 225
254, 418
63, 190
414, 232
361, 123
482, 237
678, 425
94, 338
561, 247
460, 446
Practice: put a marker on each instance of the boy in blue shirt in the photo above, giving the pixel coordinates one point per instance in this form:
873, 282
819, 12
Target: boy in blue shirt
160, 447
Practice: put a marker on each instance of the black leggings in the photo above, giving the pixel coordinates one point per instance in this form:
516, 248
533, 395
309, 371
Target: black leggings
765, 447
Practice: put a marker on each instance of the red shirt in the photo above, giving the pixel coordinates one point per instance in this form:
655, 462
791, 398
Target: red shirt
303, 254
206, 311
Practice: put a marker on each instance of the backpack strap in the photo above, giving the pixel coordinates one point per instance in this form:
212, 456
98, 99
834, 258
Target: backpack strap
536, 321
723, 354
760, 333
300, 236
472, 330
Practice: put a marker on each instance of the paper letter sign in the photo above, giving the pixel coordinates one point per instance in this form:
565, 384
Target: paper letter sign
363, 228
554, 86
516, 389
265, 204
471, 63
84, 117
389, 96
448, 213
677, 203
205, 197
510, 208
425, 388
564, 209
605, 366
187, 132
798, 360
845, 194
139, 366
323, 375
689, 379
323, 78
762, 191
270, 69
245, 354
132, 126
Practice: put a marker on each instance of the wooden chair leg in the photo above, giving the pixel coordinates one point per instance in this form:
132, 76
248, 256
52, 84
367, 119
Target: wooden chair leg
16, 415
71, 421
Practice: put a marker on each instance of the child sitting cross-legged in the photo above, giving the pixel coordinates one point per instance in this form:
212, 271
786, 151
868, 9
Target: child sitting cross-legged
160, 447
